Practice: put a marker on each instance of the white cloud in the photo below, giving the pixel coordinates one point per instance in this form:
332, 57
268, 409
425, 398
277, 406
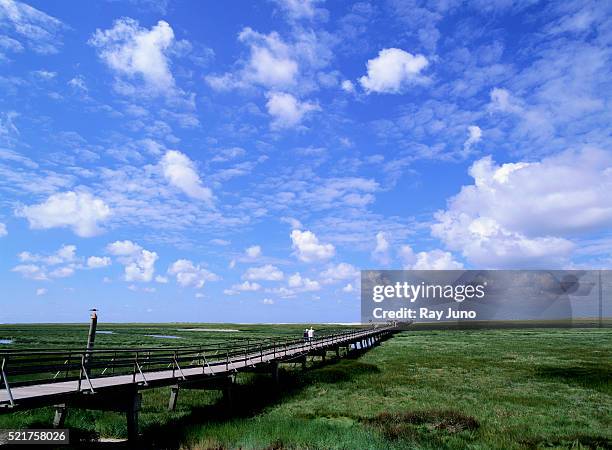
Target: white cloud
307, 248
3, 231
188, 274
253, 252
38, 30
339, 272
96, 262
247, 286
526, 214
78, 83
392, 70
62, 272
299, 9
65, 254
46, 266
180, 171
381, 251
474, 136
139, 264
348, 288
270, 64
301, 284
160, 279
286, 110
502, 100
267, 272
41, 291
348, 86
79, 211
268, 301
432, 260
123, 248
293, 222
132, 51
31, 271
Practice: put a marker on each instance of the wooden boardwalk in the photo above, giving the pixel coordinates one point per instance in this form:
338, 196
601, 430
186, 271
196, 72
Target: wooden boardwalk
54, 392
31, 380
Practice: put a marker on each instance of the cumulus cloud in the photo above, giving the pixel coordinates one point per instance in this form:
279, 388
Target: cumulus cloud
134, 51
267, 272
45, 266
339, 272
270, 63
348, 288
253, 252
97, 262
286, 110
392, 71
307, 248
79, 211
41, 291
381, 252
189, 274
139, 264
348, 86
65, 254
432, 260
180, 171
302, 284
3, 231
31, 271
525, 214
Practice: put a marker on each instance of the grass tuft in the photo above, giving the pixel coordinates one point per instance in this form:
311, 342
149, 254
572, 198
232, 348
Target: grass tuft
402, 425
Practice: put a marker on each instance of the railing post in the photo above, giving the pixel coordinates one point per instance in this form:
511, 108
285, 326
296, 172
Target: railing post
5, 381
134, 369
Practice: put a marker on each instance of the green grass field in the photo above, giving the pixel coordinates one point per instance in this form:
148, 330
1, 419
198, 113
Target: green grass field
515, 388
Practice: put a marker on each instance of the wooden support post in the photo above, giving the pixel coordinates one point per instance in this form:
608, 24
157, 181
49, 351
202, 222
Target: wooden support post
227, 394
274, 371
303, 360
131, 415
60, 416
338, 351
174, 391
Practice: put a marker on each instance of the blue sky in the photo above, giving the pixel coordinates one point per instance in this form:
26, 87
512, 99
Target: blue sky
242, 161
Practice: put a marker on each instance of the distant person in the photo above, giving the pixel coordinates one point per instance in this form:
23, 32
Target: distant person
305, 334
310, 334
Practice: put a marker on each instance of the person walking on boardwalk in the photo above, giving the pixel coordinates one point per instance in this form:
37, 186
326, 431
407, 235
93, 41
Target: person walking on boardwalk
305, 334
310, 334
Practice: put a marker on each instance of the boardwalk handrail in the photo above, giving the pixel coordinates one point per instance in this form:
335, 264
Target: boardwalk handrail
22, 367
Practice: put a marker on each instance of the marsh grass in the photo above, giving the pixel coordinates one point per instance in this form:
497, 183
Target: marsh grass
449, 389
